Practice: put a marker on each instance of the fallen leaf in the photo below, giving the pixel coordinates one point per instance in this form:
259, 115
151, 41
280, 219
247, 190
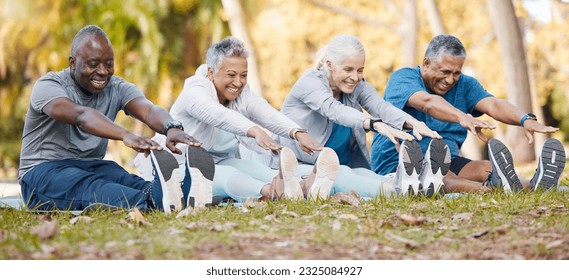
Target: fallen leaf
186, 212
500, 230
83, 219
46, 217
138, 218
554, 244
479, 234
408, 242
337, 225
348, 216
290, 213
411, 220
45, 230
250, 203
462, 216
351, 198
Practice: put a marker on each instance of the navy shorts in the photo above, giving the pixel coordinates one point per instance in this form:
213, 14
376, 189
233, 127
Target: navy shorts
458, 163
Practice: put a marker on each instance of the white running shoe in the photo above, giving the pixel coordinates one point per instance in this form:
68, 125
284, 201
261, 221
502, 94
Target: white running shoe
435, 166
410, 166
327, 166
288, 165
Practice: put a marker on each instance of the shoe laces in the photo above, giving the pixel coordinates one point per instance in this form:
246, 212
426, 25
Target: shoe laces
488, 181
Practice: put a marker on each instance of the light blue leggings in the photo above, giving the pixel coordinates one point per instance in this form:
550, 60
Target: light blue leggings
240, 179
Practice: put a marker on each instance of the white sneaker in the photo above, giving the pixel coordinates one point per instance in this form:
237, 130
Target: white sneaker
409, 167
168, 194
198, 181
327, 166
435, 166
288, 165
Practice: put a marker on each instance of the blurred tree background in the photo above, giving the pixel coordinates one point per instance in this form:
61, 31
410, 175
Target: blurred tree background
159, 43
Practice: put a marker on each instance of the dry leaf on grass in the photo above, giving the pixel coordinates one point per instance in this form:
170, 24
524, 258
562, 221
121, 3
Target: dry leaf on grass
554, 244
137, 217
337, 225
411, 220
290, 213
351, 198
45, 230
348, 217
83, 219
479, 234
462, 216
408, 242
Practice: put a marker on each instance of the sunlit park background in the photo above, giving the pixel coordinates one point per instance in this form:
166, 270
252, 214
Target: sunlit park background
517, 51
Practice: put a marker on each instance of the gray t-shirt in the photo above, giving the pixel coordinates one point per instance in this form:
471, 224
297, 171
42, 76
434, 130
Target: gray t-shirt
45, 139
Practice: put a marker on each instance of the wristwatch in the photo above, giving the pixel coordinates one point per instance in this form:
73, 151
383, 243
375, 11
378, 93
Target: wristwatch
298, 130
371, 122
528, 116
172, 124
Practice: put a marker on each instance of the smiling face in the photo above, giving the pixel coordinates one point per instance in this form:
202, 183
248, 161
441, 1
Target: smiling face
230, 79
440, 76
92, 65
345, 76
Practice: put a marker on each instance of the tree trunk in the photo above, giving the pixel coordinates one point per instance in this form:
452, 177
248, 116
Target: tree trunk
238, 28
510, 39
408, 33
434, 17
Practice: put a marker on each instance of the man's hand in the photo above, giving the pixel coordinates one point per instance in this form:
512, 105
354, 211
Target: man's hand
176, 136
420, 129
475, 126
532, 126
140, 144
307, 144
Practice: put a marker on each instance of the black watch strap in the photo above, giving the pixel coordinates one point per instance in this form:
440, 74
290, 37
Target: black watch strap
371, 122
172, 124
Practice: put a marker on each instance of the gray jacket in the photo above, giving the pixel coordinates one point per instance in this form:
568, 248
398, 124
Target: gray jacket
311, 104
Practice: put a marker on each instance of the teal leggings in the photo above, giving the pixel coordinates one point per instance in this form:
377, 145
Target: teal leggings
240, 179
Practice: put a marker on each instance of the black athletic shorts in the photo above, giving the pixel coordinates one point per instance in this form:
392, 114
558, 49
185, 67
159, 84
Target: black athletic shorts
458, 163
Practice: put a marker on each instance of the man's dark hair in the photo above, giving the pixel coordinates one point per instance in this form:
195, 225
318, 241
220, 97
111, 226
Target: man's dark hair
84, 33
444, 44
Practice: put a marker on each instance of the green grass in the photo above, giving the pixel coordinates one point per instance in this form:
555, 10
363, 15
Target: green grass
489, 226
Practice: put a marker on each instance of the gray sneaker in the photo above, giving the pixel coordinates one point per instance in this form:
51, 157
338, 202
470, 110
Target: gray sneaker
550, 165
503, 174
198, 179
435, 166
166, 189
409, 167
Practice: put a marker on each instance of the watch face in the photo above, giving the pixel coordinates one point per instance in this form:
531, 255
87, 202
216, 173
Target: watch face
532, 116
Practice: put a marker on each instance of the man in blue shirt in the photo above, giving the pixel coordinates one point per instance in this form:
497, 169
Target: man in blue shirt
438, 94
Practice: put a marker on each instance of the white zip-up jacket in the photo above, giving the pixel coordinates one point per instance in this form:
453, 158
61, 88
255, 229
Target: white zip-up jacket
202, 116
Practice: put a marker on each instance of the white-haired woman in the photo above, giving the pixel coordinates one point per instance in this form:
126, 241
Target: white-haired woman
328, 100
218, 109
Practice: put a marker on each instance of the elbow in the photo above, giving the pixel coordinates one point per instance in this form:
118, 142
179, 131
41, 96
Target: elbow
428, 105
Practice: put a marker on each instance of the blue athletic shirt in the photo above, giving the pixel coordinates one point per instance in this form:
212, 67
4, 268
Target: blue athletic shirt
403, 83
339, 140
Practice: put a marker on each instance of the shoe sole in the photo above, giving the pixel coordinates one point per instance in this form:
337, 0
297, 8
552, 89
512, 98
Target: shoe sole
288, 165
165, 164
503, 165
551, 164
327, 166
436, 168
202, 170
410, 184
